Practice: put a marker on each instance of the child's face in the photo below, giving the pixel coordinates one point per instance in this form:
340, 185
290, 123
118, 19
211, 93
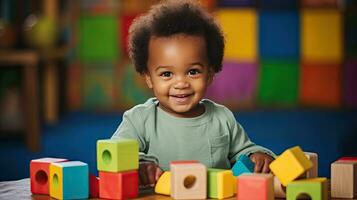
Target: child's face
178, 73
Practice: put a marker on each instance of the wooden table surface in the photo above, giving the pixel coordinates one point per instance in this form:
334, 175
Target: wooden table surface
20, 189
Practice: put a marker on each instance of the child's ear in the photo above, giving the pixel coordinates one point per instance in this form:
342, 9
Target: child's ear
148, 80
210, 76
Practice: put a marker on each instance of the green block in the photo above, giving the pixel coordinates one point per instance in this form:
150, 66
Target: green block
212, 182
99, 38
117, 155
315, 188
278, 83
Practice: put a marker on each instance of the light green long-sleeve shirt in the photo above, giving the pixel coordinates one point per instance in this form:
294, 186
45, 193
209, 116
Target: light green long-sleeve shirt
213, 138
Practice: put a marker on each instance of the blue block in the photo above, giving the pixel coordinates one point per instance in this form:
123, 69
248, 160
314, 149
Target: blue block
75, 180
279, 34
243, 165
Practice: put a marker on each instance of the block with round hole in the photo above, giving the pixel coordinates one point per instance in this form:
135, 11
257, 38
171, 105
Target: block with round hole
117, 155
220, 183
39, 173
188, 181
69, 180
314, 188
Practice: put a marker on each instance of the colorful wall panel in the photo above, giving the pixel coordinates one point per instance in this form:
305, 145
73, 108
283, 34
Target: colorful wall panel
235, 85
278, 82
99, 38
351, 83
279, 34
321, 35
321, 85
98, 87
240, 28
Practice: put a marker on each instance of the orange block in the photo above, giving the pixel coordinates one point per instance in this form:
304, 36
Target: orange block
255, 187
321, 84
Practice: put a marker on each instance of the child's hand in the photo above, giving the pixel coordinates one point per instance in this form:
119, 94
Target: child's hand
261, 161
149, 173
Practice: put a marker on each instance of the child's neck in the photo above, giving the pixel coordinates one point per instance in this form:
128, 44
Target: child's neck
195, 112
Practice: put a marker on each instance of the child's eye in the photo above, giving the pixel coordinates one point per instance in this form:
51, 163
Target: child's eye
193, 72
166, 74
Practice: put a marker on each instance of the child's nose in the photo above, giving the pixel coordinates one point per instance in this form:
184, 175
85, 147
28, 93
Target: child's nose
181, 83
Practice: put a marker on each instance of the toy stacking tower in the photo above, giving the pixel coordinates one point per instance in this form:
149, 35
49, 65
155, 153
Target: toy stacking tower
117, 163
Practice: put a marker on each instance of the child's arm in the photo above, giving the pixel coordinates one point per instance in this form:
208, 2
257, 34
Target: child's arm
241, 144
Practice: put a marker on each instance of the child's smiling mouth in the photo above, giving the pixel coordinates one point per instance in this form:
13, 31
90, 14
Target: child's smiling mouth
181, 98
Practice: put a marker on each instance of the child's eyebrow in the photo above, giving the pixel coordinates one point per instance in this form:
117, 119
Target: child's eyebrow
196, 63
162, 67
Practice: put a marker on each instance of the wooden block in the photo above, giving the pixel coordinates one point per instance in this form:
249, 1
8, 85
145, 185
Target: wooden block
39, 174
188, 181
255, 187
279, 189
315, 188
290, 165
313, 172
243, 165
348, 158
121, 185
344, 179
321, 35
183, 162
117, 155
93, 186
220, 183
69, 180
240, 29
163, 184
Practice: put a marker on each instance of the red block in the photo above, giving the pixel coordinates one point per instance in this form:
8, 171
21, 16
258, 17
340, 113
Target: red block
122, 185
93, 186
348, 159
255, 187
39, 173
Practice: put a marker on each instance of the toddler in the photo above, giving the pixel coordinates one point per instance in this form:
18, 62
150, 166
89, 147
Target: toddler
178, 47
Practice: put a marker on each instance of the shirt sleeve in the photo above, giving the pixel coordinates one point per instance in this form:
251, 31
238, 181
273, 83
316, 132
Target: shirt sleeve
128, 130
240, 144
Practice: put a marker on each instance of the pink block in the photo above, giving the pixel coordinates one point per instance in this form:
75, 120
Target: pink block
255, 187
236, 82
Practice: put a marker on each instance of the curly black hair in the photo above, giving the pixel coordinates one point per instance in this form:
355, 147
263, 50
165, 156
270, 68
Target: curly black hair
170, 18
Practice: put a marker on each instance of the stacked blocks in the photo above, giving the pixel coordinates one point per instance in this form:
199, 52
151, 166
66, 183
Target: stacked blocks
344, 178
163, 184
39, 174
220, 183
69, 180
243, 165
188, 181
316, 188
255, 187
291, 164
117, 162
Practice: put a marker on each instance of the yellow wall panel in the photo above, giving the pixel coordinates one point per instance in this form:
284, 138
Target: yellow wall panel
321, 35
240, 29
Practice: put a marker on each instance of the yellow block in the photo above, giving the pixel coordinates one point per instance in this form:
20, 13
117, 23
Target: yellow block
321, 35
240, 30
56, 177
290, 165
163, 184
225, 184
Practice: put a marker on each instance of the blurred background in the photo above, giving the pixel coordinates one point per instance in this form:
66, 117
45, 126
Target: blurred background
289, 75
